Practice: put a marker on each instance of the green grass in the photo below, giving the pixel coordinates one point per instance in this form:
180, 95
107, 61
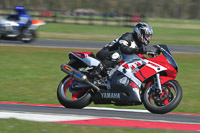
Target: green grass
176, 36
31, 75
20, 126
166, 31
173, 21
83, 29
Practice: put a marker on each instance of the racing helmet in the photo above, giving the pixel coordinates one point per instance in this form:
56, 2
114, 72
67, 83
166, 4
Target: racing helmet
20, 9
143, 32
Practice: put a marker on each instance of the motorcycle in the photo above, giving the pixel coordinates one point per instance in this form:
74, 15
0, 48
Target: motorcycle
10, 30
136, 80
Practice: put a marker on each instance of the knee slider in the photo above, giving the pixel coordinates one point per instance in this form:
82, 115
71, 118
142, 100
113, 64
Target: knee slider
115, 56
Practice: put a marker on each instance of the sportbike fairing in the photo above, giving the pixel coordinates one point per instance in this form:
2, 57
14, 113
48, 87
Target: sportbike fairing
130, 76
138, 69
134, 81
166, 52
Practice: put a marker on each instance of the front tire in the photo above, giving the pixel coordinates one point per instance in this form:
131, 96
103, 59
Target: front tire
66, 98
167, 101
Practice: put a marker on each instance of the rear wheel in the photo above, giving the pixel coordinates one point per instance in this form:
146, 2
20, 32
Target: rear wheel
28, 36
165, 102
70, 98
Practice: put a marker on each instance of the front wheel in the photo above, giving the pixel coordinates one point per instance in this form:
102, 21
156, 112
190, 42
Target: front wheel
165, 102
70, 98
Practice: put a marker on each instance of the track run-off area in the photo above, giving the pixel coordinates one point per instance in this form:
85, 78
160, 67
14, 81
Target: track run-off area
90, 45
131, 118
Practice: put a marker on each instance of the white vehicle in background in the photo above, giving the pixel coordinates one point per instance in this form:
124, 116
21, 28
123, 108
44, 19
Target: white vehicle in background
10, 30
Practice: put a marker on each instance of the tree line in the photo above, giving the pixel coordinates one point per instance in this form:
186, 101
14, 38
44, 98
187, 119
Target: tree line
184, 9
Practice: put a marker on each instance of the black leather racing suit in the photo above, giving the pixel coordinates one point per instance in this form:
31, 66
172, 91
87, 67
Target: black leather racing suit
111, 53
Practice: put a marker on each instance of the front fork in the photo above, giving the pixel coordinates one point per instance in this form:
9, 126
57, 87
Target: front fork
158, 83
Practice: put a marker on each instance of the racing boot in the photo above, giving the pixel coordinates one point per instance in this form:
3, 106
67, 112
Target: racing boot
96, 73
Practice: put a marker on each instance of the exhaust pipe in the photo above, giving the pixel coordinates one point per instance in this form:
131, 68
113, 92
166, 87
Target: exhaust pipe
77, 75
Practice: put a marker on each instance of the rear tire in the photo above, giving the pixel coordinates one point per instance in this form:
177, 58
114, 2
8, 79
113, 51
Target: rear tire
82, 101
169, 103
28, 36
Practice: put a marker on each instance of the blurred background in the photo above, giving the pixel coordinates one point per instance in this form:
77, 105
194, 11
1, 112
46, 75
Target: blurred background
173, 21
32, 74
113, 12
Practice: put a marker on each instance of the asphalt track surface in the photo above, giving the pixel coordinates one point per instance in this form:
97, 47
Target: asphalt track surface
91, 45
176, 118
191, 119
105, 117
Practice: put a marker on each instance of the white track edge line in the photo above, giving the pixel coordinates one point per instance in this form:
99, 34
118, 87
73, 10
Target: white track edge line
67, 117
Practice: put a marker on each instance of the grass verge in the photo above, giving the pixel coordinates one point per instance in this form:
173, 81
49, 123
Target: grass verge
164, 33
31, 75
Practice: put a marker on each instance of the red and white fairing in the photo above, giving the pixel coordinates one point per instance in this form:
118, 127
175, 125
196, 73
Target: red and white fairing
139, 69
135, 67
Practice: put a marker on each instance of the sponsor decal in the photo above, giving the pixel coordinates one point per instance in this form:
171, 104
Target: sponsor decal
68, 68
153, 64
110, 95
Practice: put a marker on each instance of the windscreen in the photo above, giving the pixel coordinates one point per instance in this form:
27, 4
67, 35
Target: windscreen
166, 52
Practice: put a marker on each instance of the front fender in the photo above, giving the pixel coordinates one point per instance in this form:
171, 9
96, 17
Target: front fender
164, 79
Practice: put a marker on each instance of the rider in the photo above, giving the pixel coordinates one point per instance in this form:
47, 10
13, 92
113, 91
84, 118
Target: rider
129, 43
23, 19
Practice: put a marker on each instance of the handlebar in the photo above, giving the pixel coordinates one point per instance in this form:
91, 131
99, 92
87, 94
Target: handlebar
153, 53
